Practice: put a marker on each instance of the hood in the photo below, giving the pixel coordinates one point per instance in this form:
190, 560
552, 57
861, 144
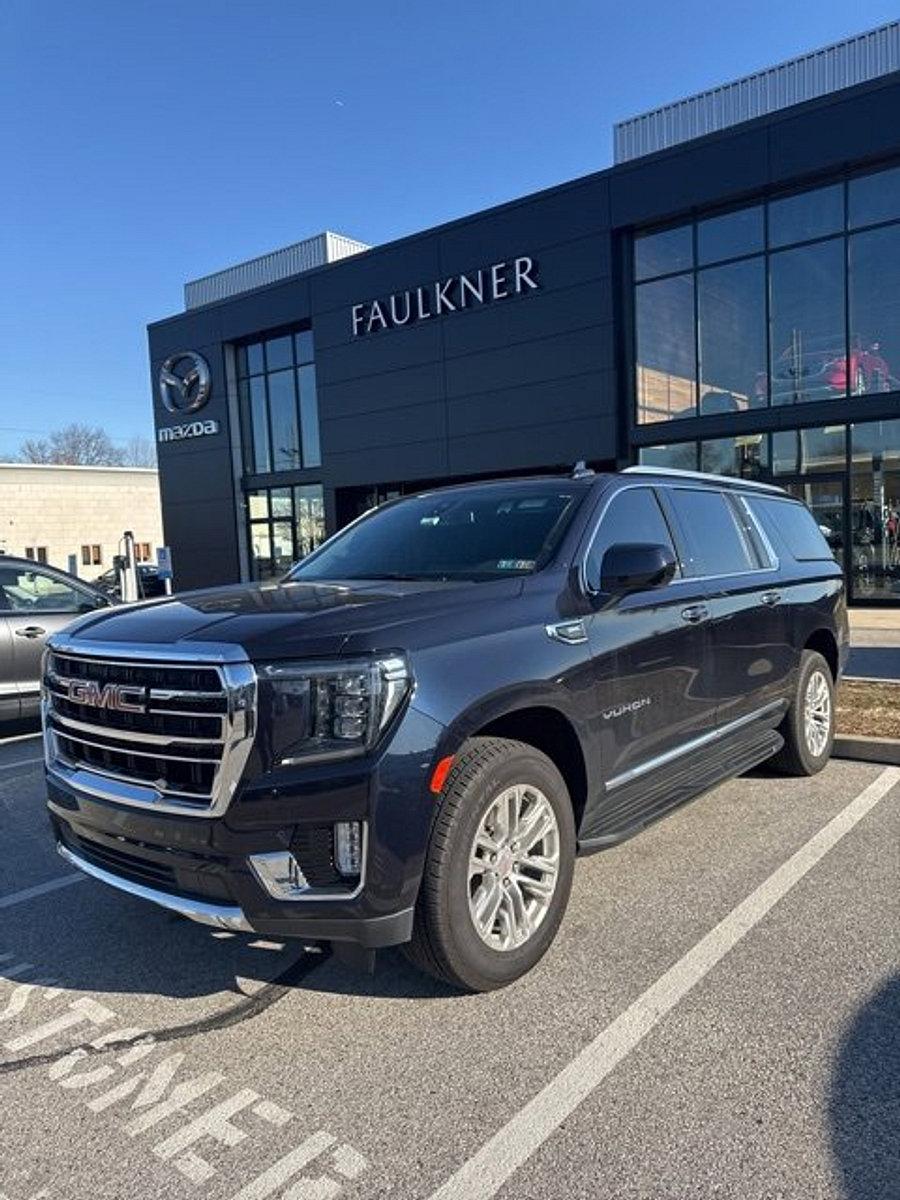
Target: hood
291, 619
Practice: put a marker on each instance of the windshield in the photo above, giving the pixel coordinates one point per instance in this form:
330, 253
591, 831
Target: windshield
474, 533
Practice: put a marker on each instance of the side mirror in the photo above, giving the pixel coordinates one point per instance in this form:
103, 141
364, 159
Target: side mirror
635, 567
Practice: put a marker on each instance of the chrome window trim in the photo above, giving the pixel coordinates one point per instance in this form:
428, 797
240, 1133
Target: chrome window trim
763, 536
221, 916
661, 760
603, 509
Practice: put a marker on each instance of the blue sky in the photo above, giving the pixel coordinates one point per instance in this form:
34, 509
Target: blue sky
148, 143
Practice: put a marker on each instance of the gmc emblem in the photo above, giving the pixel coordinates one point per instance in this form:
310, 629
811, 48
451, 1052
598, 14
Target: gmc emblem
117, 697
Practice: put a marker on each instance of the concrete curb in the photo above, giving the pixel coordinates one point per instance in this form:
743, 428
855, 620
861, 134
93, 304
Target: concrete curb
868, 749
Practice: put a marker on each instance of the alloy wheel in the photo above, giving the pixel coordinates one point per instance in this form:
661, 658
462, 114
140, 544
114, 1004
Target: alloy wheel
817, 714
513, 867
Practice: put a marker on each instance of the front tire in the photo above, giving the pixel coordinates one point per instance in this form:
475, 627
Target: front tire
808, 726
499, 867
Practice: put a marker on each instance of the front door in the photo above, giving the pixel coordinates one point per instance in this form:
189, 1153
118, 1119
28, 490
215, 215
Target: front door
651, 653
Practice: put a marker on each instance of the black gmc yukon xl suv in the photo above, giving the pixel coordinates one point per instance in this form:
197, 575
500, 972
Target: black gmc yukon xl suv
411, 737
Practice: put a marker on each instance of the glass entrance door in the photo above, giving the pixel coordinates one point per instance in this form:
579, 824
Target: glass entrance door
826, 498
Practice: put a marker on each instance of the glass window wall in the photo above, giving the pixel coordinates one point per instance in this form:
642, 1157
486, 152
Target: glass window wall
875, 510
285, 524
770, 325
279, 404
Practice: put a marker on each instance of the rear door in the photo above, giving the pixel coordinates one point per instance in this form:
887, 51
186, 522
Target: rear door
651, 652
752, 648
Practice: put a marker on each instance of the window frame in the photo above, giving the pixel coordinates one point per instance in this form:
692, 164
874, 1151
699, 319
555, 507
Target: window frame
594, 529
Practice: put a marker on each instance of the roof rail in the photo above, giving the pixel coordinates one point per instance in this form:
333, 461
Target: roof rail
703, 476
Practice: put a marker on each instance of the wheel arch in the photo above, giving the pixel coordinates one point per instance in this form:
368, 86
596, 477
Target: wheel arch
824, 642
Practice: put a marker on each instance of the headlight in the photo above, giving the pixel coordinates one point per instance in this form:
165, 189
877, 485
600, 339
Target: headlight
325, 710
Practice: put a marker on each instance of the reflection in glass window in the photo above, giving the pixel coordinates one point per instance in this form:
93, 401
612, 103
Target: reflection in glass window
309, 415
279, 406
285, 525
715, 543
809, 451
664, 252
666, 362
279, 354
807, 215
874, 198
731, 302
875, 310
744, 457
682, 456
283, 416
730, 235
633, 516
808, 360
875, 510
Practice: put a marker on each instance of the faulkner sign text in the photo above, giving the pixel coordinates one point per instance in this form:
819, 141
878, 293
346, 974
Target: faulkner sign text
496, 282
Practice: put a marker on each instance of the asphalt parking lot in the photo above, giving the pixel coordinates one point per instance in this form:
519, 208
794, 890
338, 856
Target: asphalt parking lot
719, 1017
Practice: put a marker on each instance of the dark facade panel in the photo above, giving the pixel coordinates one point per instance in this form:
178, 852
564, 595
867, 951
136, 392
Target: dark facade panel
388, 350
547, 358
392, 427
390, 464
588, 438
203, 538
268, 308
368, 276
835, 132
390, 390
548, 219
713, 172
548, 404
552, 310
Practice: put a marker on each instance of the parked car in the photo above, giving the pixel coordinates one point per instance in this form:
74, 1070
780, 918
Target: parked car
149, 582
35, 601
411, 737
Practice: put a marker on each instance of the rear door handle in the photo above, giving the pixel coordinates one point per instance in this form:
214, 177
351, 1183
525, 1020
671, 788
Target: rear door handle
770, 598
695, 613
31, 631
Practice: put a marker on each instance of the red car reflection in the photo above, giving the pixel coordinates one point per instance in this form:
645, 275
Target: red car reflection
821, 373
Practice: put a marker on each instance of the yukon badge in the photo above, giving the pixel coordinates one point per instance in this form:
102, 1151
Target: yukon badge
609, 714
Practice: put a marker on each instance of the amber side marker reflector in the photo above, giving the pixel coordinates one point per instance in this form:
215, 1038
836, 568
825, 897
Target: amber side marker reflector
439, 776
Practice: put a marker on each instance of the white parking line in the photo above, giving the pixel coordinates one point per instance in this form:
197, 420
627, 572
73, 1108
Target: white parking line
40, 889
498, 1159
22, 762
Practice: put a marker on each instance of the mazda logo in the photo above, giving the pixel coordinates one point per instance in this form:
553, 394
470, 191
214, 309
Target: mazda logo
116, 697
184, 382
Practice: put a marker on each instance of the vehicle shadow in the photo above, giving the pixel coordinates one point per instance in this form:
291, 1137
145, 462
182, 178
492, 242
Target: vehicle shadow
864, 1101
90, 938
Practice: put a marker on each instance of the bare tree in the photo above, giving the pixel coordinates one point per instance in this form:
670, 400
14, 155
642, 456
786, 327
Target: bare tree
75, 445
139, 452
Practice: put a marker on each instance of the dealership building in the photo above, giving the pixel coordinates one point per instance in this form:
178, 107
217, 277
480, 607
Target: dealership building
725, 297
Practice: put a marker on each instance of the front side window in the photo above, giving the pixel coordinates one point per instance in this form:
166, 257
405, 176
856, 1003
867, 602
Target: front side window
633, 516
477, 533
279, 404
714, 541
23, 591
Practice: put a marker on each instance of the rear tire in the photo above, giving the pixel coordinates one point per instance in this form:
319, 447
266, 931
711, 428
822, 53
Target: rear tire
808, 725
499, 867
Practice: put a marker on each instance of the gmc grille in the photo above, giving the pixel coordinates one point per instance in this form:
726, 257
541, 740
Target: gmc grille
179, 742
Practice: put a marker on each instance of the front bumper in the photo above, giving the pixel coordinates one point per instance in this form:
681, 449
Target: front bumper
199, 866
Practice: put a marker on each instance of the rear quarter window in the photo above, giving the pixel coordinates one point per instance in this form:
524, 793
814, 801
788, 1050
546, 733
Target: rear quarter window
793, 526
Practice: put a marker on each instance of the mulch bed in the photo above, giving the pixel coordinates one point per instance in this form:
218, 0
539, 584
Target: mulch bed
868, 709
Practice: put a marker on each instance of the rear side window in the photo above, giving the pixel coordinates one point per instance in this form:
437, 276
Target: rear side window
634, 516
794, 526
714, 542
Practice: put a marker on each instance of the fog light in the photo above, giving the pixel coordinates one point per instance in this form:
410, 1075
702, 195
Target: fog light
348, 850
280, 874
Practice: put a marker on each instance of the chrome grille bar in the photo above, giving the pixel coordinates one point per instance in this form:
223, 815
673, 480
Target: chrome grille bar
127, 753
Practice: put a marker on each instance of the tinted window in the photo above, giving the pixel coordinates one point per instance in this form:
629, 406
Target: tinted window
25, 591
666, 361
714, 542
807, 324
664, 252
632, 516
807, 215
731, 311
793, 526
874, 198
730, 235
474, 533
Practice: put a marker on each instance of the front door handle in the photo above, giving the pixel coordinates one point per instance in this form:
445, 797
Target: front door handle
31, 631
695, 613
770, 598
